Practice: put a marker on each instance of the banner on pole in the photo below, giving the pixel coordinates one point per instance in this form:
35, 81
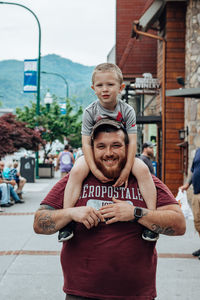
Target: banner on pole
30, 76
63, 108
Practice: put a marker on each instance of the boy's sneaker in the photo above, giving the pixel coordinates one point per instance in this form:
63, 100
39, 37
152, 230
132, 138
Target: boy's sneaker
150, 236
66, 233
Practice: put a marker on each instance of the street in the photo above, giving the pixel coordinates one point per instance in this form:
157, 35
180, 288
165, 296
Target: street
30, 264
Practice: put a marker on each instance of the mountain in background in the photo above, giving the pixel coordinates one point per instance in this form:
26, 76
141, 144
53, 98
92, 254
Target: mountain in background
77, 76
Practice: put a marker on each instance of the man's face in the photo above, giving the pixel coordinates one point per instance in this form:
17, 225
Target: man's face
110, 153
150, 152
1, 166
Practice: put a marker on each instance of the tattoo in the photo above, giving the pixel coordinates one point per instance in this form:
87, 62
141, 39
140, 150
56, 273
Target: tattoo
45, 221
164, 230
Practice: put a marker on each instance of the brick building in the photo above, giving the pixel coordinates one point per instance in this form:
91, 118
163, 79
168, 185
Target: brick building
160, 40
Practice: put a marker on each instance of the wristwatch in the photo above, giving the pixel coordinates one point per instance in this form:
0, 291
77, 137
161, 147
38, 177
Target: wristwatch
138, 213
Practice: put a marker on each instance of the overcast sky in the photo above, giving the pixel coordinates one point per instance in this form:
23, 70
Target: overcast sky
81, 30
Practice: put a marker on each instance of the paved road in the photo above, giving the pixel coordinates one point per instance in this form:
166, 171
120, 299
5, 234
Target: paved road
30, 265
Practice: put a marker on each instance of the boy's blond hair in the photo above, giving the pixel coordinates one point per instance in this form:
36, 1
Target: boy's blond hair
108, 67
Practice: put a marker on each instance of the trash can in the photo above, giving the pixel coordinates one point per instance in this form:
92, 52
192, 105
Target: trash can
46, 170
27, 168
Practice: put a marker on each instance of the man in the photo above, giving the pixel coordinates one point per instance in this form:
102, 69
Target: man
20, 181
147, 155
107, 258
7, 189
65, 160
194, 179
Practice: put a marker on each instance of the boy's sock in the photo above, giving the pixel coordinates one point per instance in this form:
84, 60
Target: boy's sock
66, 233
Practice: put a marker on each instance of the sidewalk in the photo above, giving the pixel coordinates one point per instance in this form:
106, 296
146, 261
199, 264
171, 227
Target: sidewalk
30, 264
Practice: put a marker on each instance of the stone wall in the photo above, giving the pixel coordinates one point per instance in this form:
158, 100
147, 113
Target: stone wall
192, 77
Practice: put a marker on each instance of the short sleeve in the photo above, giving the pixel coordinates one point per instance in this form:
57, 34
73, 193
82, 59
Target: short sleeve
87, 123
130, 119
55, 196
164, 195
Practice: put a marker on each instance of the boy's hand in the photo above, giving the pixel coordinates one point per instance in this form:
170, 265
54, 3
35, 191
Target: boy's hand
123, 178
86, 215
99, 175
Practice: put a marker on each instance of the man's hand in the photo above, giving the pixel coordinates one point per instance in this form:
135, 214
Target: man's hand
86, 215
48, 220
123, 178
12, 182
119, 211
184, 187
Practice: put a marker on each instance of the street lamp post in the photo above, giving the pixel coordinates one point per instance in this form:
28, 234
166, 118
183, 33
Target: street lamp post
38, 70
66, 83
48, 101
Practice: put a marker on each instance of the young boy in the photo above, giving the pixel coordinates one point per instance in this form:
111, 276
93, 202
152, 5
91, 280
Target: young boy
107, 82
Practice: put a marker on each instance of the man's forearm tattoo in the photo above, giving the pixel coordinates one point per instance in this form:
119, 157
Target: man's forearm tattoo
158, 229
163, 230
45, 221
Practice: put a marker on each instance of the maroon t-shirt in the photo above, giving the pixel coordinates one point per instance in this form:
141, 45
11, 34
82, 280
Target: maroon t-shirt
109, 261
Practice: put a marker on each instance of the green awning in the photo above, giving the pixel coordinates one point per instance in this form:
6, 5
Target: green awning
184, 92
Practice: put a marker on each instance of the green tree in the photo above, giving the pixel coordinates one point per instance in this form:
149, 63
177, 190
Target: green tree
52, 124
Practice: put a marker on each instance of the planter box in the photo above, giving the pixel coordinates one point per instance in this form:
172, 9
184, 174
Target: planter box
46, 170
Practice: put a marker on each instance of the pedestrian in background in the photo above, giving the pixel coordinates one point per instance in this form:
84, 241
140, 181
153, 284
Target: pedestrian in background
65, 161
194, 179
20, 181
5, 202
147, 155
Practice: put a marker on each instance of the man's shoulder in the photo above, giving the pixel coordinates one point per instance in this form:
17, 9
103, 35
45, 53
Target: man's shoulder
142, 156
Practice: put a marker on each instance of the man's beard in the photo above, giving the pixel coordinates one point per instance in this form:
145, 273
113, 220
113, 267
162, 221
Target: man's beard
150, 155
111, 172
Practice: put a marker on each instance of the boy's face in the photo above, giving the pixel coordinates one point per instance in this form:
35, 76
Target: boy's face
107, 87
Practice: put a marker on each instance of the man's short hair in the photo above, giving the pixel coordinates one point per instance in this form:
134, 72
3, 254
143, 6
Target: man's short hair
108, 125
147, 144
66, 147
108, 67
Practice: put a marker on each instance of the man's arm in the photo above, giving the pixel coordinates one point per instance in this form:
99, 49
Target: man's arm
188, 182
12, 182
49, 220
168, 220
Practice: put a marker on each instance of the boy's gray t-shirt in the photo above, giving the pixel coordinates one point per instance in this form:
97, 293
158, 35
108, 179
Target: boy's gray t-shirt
95, 111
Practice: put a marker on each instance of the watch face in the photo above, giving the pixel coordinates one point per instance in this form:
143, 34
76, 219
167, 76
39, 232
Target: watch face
138, 212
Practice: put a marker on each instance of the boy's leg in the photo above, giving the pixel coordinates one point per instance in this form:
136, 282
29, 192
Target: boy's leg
145, 182
148, 191
73, 188
72, 192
